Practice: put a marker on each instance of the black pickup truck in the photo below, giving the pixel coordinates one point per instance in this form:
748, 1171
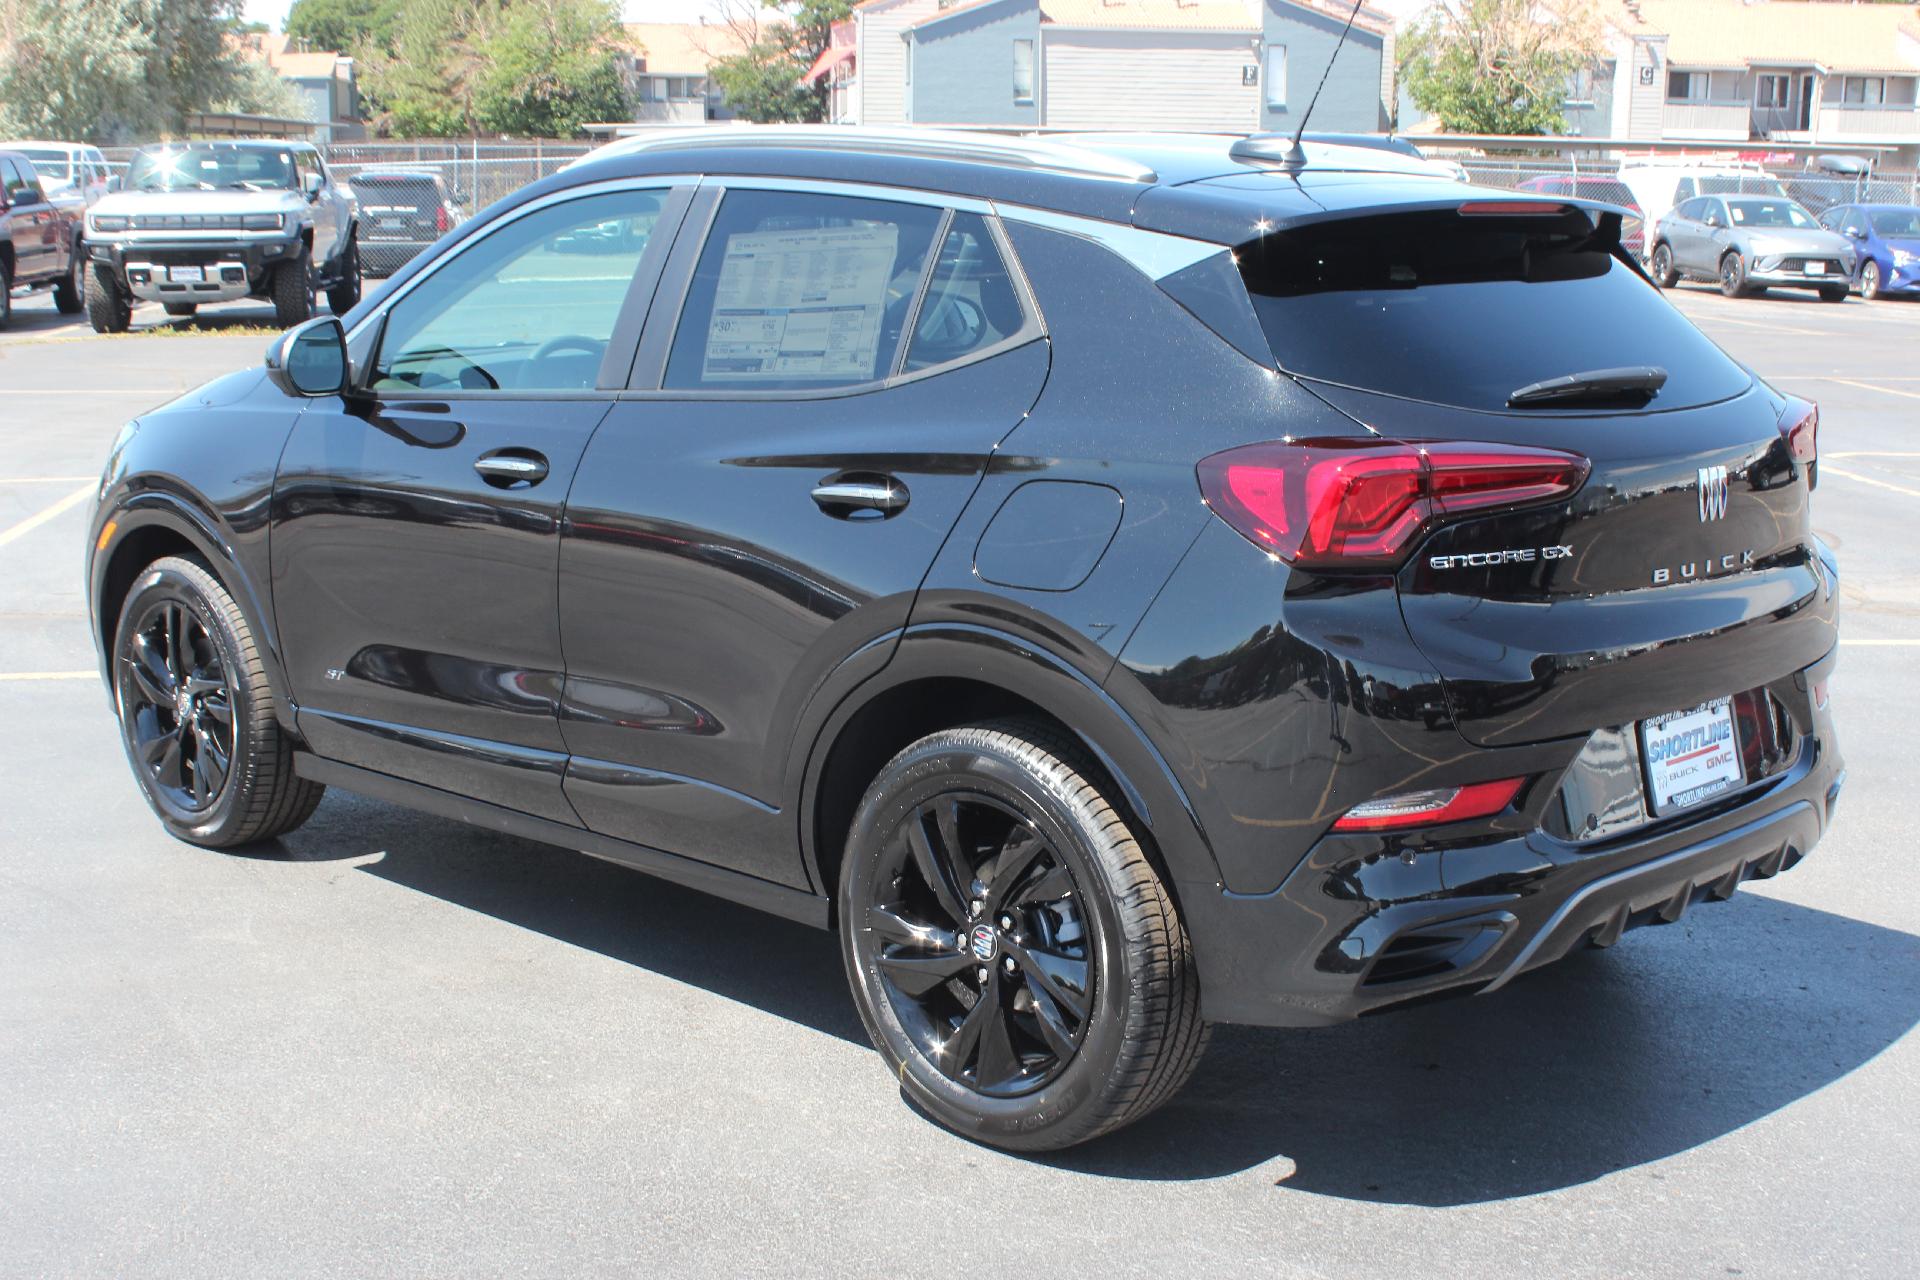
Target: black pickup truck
39, 238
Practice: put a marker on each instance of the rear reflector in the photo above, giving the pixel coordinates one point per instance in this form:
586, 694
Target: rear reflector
1431, 808
1800, 427
440, 220
1353, 502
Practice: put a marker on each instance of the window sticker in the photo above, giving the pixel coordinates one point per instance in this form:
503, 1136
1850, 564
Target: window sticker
1739, 213
800, 304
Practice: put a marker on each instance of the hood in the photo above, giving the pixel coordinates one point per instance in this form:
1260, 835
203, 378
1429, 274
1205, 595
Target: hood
201, 202
1796, 240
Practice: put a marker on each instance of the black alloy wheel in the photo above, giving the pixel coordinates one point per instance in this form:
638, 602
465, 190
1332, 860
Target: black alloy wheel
980, 945
1015, 956
198, 716
1663, 273
1733, 275
176, 700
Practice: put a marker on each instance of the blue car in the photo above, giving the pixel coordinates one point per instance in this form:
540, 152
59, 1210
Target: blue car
1889, 240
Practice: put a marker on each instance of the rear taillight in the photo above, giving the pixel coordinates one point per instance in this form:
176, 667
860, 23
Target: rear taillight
440, 220
1431, 808
1353, 502
1800, 428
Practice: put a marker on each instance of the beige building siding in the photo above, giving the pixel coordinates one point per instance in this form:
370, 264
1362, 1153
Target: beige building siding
1144, 79
881, 60
1646, 116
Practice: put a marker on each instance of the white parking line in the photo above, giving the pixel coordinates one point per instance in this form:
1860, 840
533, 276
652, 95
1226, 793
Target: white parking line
34, 521
1868, 386
1829, 470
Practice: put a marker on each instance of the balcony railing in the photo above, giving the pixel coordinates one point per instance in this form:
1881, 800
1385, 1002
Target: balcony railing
1706, 119
676, 111
1858, 120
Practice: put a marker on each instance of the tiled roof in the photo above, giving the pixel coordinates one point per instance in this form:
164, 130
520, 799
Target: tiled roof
1734, 33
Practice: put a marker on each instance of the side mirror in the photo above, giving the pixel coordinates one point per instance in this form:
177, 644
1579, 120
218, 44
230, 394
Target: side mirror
1857, 233
1713, 219
310, 359
312, 186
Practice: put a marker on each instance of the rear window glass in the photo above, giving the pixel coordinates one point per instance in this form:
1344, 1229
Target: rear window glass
1464, 311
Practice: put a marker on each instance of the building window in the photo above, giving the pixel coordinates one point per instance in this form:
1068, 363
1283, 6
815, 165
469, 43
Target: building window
1023, 71
1864, 90
1687, 86
1277, 76
1772, 91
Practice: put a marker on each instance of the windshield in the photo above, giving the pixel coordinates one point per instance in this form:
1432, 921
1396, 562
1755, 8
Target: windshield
1896, 222
1461, 310
1768, 213
211, 169
1742, 185
51, 164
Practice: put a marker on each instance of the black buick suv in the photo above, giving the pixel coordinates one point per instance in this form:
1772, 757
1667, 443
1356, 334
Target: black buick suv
1120, 584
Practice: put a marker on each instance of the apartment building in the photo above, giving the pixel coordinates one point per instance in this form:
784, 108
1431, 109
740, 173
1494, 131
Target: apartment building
1235, 66
1739, 71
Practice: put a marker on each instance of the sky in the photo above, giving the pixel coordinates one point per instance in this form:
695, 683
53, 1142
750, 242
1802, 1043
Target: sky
274, 12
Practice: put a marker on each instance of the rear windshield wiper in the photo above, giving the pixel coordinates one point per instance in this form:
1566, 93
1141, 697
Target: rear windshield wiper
1639, 383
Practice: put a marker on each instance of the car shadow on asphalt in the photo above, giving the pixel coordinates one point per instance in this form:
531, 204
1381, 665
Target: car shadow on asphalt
787, 969
1604, 1062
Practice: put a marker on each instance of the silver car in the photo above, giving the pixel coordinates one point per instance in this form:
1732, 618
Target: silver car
1749, 244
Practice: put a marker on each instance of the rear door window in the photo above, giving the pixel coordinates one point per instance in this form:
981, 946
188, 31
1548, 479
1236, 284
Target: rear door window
800, 291
1464, 310
972, 303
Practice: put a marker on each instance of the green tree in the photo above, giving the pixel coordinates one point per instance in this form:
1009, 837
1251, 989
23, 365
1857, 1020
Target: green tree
258, 90
344, 26
1495, 66
551, 68
427, 85
115, 70
762, 82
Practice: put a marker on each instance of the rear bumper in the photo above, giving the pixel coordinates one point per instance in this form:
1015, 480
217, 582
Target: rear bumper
384, 257
1359, 928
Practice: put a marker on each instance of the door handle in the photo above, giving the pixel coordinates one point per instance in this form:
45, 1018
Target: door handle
861, 496
511, 468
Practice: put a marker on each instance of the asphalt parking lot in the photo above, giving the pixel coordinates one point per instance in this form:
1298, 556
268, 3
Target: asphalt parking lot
397, 1045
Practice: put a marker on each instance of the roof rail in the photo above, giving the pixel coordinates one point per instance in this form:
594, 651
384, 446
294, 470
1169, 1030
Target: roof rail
1012, 151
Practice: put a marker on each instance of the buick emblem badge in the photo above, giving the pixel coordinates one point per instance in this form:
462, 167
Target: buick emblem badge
1713, 494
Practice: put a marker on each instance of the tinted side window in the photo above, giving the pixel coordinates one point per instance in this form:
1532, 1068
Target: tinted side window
796, 291
531, 307
971, 304
20, 185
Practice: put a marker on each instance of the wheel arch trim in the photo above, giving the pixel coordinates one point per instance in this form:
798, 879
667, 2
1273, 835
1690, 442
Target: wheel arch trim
1023, 666
188, 518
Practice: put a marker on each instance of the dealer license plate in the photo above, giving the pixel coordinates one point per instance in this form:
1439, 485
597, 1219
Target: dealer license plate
1816, 268
1691, 756
187, 275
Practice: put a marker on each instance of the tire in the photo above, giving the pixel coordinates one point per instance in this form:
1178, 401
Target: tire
1733, 276
1869, 280
343, 297
6, 294
108, 309
293, 291
995, 969
181, 308
70, 294
1662, 267
1834, 293
188, 680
